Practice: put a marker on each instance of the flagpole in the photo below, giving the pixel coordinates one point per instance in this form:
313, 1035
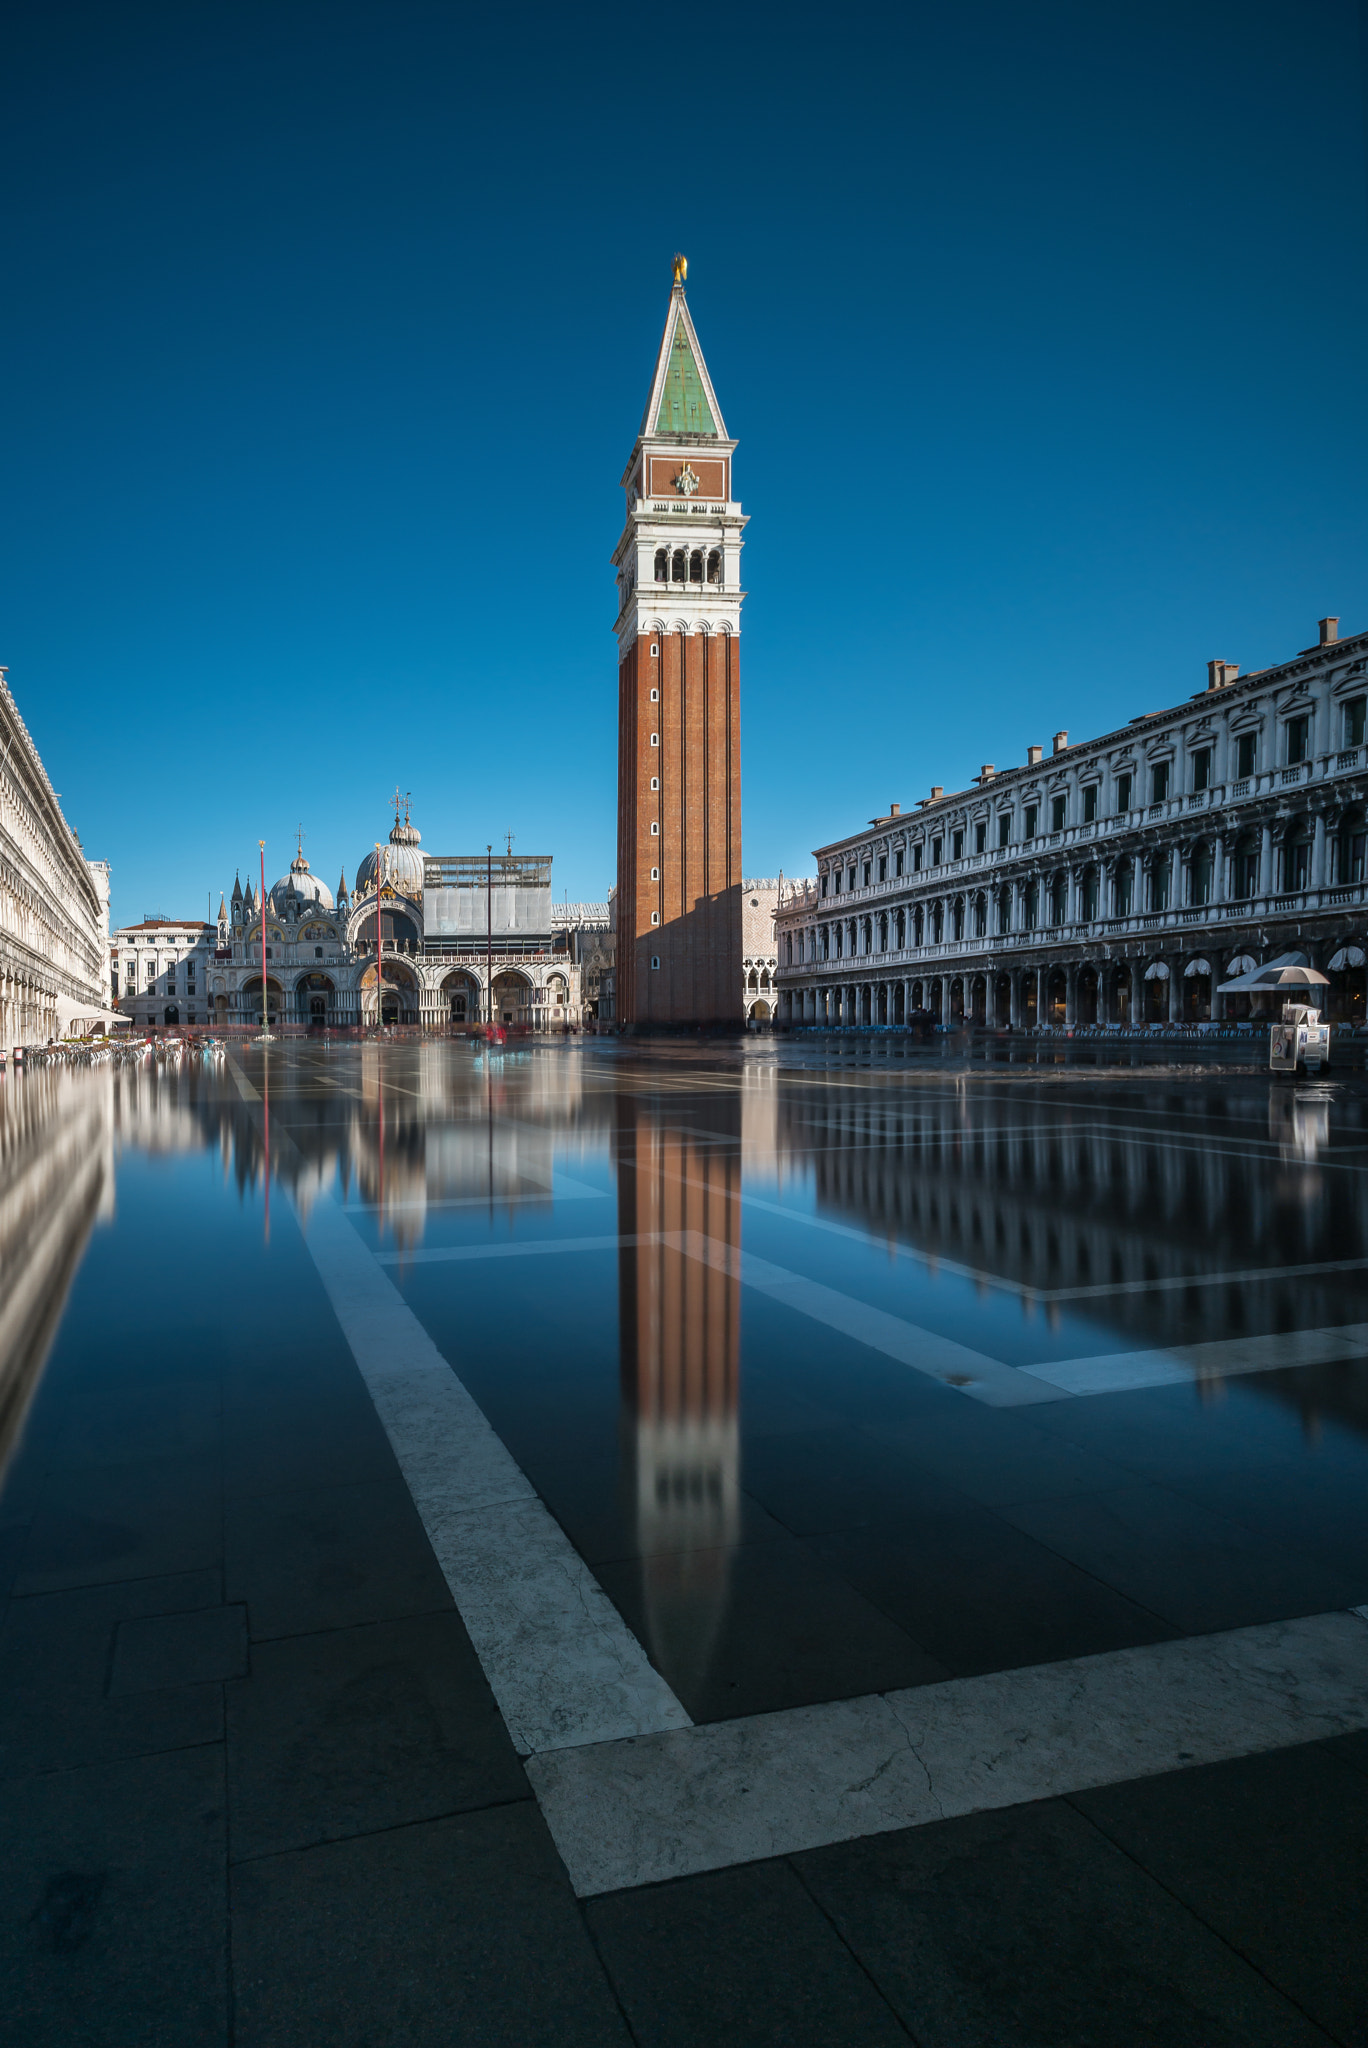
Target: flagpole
265, 1033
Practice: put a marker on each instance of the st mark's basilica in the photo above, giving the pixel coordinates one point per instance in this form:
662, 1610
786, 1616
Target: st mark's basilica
417, 940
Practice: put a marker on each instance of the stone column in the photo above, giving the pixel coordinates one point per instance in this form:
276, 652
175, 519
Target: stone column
1175, 1004
1218, 873
1318, 851
1071, 995
1266, 875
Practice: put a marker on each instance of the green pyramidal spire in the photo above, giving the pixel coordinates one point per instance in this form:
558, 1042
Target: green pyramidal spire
683, 402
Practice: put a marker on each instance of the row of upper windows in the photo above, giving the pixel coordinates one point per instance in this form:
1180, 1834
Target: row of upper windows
194, 945
1066, 899
688, 565
1296, 749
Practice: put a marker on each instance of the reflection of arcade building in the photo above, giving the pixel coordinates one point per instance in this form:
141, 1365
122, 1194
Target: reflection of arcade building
1138, 1231
418, 941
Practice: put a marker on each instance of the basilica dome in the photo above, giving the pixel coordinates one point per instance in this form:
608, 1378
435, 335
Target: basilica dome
401, 863
300, 884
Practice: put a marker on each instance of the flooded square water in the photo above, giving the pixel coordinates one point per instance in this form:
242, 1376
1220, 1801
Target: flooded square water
838, 1373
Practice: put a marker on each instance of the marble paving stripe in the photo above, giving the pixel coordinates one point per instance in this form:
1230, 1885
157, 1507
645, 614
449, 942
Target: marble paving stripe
1103, 1291
666, 1806
445, 1255
939, 1358
562, 1663
560, 1660
1122, 1371
969, 1372
573, 1192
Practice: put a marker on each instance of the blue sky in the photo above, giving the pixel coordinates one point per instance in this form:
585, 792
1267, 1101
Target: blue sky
328, 330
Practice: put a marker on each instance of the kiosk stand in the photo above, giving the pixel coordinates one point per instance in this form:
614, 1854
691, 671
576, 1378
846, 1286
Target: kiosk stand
1299, 1040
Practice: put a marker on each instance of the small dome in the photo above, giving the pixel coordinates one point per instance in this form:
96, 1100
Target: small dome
401, 864
299, 883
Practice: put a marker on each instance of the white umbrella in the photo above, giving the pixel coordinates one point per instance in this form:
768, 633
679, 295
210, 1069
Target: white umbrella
1276, 977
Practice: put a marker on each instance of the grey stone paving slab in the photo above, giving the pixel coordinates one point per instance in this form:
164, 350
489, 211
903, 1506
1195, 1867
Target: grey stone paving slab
1319, 1507
981, 1595
1199, 1570
363, 1728
161, 1650
741, 1956
56, 1649
141, 1519
1164, 1433
121, 1425
113, 1913
1350, 1749
460, 1930
1271, 1852
767, 1625
1023, 1928
328, 1557
837, 1478
325, 1428
997, 1455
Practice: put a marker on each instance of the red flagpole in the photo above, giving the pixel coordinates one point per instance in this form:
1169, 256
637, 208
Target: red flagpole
262, 844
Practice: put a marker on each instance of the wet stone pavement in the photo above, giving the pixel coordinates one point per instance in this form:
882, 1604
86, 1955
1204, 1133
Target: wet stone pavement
759, 1543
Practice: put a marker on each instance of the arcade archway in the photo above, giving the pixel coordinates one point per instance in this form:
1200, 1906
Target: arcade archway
249, 1000
512, 996
315, 1000
461, 998
398, 1002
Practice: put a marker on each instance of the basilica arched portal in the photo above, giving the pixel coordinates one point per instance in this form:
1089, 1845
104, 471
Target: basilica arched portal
461, 998
512, 997
399, 995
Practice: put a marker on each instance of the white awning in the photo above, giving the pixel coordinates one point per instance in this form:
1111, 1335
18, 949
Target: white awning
72, 1011
1157, 971
1243, 963
1197, 967
1347, 956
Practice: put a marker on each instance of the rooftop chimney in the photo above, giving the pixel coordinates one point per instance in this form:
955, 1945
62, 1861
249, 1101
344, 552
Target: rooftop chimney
937, 789
1061, 741
1033, 755
894, 809
1329, 632
987, 772
1219, 673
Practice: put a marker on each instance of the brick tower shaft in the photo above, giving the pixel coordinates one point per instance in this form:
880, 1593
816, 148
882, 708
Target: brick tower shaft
679, 716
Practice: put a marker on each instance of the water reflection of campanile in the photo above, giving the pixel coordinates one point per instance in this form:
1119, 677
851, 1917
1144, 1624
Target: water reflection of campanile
679, 1210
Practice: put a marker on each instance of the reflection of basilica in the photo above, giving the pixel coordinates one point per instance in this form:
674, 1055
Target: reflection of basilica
680, 1359
56, 1172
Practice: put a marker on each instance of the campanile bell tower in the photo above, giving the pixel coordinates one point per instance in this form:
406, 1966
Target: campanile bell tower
679, 702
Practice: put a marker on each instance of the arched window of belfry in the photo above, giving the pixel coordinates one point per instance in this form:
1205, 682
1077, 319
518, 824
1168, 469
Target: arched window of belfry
696, 566
677, 575
715, 566
662, 565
